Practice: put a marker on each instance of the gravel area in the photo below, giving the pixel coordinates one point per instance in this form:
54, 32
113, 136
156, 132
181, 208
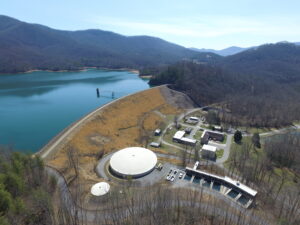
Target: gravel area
177, 98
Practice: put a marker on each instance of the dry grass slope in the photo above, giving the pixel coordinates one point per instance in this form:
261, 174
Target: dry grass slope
127, 122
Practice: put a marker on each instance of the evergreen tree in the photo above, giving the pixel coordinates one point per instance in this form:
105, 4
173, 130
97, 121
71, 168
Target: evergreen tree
238, 136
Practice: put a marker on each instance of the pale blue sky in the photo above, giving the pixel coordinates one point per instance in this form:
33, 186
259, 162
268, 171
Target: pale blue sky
191, 23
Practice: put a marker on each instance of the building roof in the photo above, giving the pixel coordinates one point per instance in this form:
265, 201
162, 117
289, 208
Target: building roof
214, 132
189, 140
133, 161
228, 180
194, 118
204, 134
209, 148
240, 186
100, 189
155, 144
179, 134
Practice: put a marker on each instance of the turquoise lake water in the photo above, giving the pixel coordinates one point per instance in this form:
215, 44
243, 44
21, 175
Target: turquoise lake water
34, 107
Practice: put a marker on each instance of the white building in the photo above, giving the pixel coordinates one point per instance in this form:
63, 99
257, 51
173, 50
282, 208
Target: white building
178, 135
188, 141
209, 152
194, 118
157, 132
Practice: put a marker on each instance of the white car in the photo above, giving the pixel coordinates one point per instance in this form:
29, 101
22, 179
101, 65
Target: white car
180, 175
172, 178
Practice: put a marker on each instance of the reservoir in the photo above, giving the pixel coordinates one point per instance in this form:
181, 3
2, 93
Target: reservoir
36, 106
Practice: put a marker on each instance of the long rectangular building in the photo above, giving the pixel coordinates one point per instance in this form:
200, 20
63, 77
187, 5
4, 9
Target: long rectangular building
239, 192
208, 135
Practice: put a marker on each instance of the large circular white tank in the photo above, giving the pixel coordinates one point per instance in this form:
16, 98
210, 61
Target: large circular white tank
133, 162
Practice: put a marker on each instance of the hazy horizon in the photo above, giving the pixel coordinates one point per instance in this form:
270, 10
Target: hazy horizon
198, 24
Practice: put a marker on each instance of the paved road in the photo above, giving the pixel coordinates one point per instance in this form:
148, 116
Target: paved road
195, 128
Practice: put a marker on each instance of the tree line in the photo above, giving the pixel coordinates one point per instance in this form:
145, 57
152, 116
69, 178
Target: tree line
243, 100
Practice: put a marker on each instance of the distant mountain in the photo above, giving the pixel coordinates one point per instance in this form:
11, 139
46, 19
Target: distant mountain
224, 52
231, 50
25, 46
280, 61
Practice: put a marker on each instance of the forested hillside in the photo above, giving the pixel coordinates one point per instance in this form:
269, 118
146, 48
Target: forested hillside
25, 46
258, 87
280, 62
25, 190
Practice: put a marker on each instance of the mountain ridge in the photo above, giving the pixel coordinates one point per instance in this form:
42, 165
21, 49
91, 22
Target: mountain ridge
232, 50
25, 46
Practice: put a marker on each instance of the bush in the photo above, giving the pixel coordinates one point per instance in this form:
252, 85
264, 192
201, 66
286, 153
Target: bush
14, 184
238, 136
5, 201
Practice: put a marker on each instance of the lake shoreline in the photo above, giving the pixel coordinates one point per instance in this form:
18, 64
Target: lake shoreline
82, 69
47, 102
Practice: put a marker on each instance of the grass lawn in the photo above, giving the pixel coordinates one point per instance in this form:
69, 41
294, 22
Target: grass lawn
225, 139
170, 118
207, 126
198, 134
220, 153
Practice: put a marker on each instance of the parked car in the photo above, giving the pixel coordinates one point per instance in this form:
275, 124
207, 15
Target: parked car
172, 178
180, 175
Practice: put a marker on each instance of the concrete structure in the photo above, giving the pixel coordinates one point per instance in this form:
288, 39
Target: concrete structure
100, 189
188, 141
133, 162
208, 135
196, 165
218, 128
192, 121
157, 132
235, 190
194, 118
178, 135
188, 130
209, 152
155, 144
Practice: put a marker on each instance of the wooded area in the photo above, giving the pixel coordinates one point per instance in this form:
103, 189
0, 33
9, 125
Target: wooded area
260, 97
25, 190
274, 169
